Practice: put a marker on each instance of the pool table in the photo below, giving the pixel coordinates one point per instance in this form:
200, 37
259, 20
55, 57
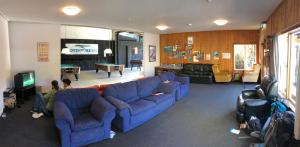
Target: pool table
70, 69
109, 68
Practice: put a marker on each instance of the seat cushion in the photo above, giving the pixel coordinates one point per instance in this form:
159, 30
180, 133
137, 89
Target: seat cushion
85, 121
158, 98
140, 106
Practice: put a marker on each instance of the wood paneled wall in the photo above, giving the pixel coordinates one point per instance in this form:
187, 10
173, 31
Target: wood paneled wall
284, 18
208, 42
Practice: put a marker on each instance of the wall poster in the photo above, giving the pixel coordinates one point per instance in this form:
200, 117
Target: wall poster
43, 51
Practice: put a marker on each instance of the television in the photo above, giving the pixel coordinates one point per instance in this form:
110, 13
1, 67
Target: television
25, 80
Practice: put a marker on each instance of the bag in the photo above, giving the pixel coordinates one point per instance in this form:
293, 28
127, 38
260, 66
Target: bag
278, 106
281, 130
253, 124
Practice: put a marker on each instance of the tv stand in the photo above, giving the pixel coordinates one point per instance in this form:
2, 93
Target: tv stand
24, 93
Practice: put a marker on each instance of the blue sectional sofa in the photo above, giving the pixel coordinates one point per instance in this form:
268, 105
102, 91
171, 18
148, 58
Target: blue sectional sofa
82, 116
136, 101
184, 83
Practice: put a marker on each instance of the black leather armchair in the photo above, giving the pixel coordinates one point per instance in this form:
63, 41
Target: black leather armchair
251, 103
198, 73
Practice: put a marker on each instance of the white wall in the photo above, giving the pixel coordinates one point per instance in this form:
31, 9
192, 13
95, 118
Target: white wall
23, 43
78, 32
150, 39
5, 78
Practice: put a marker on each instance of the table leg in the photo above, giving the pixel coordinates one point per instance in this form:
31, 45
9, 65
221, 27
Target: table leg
131, 66
76, 76
61, 77
121, 73
108, 73
97, 70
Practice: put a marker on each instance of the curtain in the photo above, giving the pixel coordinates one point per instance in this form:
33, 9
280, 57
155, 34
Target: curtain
274, 65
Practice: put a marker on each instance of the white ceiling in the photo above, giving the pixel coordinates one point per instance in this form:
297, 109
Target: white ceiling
144, 15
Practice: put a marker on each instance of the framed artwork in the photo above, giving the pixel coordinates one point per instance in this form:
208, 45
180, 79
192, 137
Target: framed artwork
207, 57
195, 57
216, 55
190, 40
43, 51
201, 56
225, 55
152, 53
168, 49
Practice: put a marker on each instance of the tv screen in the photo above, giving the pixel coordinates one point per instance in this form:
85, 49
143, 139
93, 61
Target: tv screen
28, 79
24, 79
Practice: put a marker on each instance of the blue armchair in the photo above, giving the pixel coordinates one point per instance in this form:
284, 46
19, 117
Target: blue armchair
82, 116
184, 83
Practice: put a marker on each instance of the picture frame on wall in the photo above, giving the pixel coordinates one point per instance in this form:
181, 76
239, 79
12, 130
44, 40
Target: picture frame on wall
43, 51
152, 53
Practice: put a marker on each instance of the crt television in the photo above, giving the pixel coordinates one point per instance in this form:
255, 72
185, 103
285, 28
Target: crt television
24, 80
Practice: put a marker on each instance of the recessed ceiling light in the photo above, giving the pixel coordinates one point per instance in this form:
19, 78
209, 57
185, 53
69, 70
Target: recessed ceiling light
189, 24
162, 27
221, 22
71, 10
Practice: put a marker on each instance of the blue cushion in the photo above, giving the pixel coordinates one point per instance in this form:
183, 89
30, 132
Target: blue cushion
84, 137
147, 86
85, 121
77, 100
158, 98
123, 91
170, 76
140, 106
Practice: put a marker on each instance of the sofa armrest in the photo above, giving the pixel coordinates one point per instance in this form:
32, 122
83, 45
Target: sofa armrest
63, 117
249, 93
257, 87
102, 110
123, 108
183, 80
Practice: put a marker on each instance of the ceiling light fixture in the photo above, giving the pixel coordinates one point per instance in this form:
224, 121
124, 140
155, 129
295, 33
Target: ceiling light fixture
221, 22
162, 27
71, 10
189, 24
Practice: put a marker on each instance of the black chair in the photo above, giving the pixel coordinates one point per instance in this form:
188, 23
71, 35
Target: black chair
254, 103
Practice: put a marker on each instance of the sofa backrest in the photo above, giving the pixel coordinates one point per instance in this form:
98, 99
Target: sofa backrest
167, 76
188, 68
197, 68
124, 91
148, 86
266, 83
78, 100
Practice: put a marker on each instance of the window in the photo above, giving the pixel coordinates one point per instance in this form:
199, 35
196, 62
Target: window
283, 64
289, 54
244, 56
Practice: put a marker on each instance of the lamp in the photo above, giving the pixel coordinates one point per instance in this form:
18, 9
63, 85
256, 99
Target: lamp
135, 50
107, 51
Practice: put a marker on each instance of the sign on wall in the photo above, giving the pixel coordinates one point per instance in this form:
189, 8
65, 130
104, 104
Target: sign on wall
43, 51
80, 49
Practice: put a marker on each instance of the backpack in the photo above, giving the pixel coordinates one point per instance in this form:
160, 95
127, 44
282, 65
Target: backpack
281, 130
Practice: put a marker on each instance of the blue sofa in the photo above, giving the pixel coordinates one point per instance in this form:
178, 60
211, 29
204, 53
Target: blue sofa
184, 83
136, 103
82, 116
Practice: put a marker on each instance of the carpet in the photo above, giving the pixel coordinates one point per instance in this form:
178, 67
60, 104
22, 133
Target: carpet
202, 119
